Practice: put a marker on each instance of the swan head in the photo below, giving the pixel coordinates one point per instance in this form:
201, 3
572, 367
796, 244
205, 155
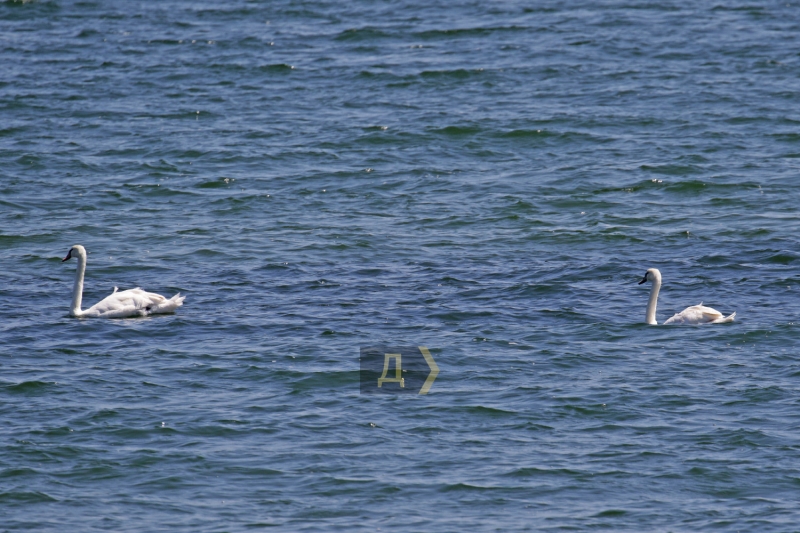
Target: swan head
75, 251
653, 275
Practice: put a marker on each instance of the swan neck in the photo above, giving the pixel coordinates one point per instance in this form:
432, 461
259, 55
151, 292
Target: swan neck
651, 305
77, 290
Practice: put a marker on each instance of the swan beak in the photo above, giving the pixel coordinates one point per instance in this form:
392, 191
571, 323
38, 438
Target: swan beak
69, 256
644, 279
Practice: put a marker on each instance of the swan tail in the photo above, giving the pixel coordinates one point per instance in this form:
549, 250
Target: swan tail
723, 320
170, 305
173, 303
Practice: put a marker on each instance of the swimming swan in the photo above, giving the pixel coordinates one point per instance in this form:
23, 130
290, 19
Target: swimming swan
133, 302
696, 314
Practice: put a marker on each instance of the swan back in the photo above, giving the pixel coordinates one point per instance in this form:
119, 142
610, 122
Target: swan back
699, 314
133, 302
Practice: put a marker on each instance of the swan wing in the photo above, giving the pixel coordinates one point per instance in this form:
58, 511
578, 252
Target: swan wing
697, 314
133, 302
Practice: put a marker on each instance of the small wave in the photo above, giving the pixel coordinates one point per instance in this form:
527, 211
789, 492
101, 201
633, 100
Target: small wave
460, 487
532, 471
527, 134
672, 170
28, 387
459, 73
611, 513
19, 496
171, 42
218, 183
468, 32
157, 189
361, 34
457, 130
782, 258
277, 67
12, 131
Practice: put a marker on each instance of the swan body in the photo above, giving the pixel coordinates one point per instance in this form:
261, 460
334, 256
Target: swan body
696, 314
119, 304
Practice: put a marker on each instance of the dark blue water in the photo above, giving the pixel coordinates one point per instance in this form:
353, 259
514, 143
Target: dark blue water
487, 179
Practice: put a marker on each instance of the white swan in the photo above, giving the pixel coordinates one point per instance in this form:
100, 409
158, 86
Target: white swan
133, 302
696, 314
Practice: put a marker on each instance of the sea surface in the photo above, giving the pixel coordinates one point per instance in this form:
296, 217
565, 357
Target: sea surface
488, 179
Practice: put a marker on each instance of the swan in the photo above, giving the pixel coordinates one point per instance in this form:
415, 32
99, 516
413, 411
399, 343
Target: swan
133, 302
696, 314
